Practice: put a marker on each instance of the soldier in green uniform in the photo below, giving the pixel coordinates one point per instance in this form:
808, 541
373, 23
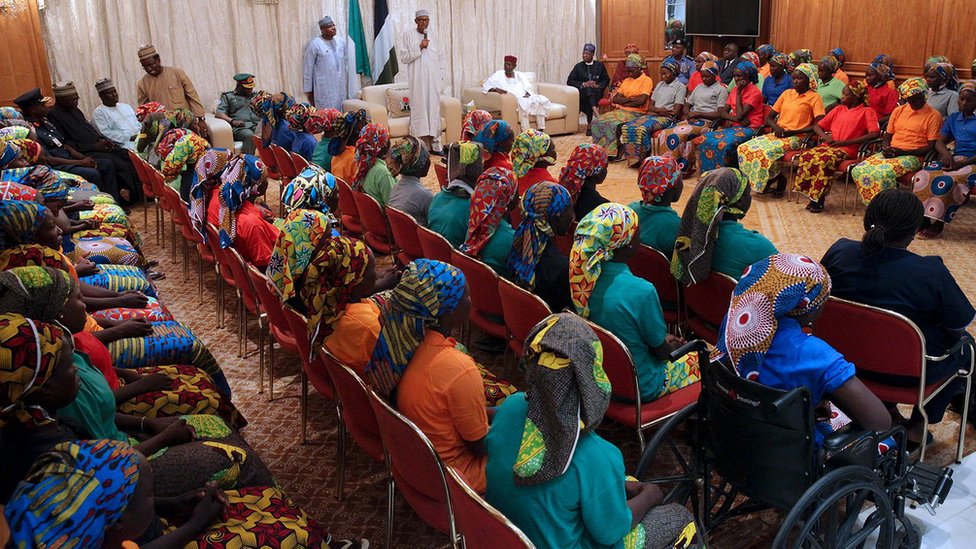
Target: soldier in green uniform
235, 108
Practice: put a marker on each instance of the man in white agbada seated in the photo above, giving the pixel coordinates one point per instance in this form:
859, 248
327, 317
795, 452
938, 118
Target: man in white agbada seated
328, 68
425, 72
117, 121
508, 80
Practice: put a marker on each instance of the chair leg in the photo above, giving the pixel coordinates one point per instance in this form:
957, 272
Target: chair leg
271, 363
156, 212
199, 276
964, 420
220, 298
241, 319
304, 403
340, 455
925, 430
172, 240
145, 212
260, 356
390, 496
186, 261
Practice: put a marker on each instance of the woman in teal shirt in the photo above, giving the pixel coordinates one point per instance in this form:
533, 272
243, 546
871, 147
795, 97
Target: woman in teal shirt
548, 470
489, 235
604, 290
448, 211
659, 179
711, 237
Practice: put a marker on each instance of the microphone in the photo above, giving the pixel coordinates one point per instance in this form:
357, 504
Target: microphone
425, 35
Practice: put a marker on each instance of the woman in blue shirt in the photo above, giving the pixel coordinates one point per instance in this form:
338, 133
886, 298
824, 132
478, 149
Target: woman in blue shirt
779, 79
548, 470
943, 186
762, 337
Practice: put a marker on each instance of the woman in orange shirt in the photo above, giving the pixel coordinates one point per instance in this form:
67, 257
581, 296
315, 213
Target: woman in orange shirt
632, 101
793, 116
343, 145
911, 134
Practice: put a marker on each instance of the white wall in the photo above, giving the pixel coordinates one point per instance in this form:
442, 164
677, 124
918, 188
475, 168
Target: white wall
214, 39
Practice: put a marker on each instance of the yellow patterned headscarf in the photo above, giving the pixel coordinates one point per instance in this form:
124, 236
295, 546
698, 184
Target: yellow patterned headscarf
810, 71
29, 352
599, 233
912, 86
568, 394
529, 149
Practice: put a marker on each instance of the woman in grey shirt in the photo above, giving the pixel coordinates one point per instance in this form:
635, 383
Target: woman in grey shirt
409, 159
700, 110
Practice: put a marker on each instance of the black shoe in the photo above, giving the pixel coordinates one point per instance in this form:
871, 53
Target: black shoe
589, 132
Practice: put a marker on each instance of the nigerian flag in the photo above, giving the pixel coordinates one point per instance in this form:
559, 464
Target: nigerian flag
384, 46
357, 36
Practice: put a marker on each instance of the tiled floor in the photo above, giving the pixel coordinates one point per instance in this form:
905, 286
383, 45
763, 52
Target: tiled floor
954, 524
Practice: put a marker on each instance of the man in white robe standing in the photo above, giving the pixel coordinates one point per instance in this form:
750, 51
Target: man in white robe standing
425, 73
508, 80
327, 77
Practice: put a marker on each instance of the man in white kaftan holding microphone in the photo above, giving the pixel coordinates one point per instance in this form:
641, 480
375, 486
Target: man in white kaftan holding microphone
425, 73
508, 80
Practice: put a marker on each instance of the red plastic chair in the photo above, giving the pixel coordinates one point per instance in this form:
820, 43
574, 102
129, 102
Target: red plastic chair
347, 208
299, 162
486, 306
885, 342
403, 227
225, 275
286, 172
479, 525
355, 416
313, 367
248, 301
415, 468
277, 323
434, 245
376, 231
147, 193
522, 310
655, 267
440, 170
626, 408
707, 303
267, 158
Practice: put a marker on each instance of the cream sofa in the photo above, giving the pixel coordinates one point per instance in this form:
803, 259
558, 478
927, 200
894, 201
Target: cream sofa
375, 100
563, 117
222, 134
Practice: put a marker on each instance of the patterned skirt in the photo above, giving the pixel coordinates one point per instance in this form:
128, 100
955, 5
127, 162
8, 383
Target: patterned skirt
878, 173
606, 128
192, 393
104, 251
496, 390
154, 311
113, 230
942, 192
680, 373
169, 343
637, 135
718, 149
676, 142
759, 158
815, 170
121, 278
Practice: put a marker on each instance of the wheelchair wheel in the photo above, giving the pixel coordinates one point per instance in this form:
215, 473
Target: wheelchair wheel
828, 514
669, 461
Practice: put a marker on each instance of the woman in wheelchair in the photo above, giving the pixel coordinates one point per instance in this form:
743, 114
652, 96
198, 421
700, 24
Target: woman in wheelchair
762, 337
558, 480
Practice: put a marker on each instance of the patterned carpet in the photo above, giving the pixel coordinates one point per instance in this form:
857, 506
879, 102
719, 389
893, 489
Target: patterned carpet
308, 472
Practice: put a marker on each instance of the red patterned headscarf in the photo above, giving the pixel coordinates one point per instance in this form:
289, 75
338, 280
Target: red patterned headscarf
492, 195
144, 110
473, 122
323, 121
586, 160
29, 352
656, 176
372, 141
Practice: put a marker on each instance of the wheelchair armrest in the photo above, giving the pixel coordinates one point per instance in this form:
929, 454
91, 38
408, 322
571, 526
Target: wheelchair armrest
697, 345
844, 437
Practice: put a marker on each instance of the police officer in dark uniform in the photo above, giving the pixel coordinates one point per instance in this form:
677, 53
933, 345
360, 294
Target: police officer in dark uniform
235, 108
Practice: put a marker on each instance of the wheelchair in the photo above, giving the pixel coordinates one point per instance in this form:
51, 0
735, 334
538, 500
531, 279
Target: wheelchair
745, 447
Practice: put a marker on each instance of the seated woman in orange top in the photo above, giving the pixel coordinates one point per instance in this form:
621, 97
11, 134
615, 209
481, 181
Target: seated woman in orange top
343, 145
632, 100
240, 222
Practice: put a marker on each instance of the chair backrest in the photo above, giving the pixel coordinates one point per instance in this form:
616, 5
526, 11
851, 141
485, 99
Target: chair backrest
347, 203
434, 245
440, 170
760, 439
299, 162
156, 180
482, 283
171, 203
213, 240
480, 525
267, 158
415, 465
283, 162
144, 178
875, 339
314, 368
522, 310
403, 228
270, 299
373, 219
353, 398
238, 269
707, 303
655, 267
619, 365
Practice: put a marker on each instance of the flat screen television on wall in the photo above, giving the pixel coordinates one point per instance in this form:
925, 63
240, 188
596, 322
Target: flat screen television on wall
722, 17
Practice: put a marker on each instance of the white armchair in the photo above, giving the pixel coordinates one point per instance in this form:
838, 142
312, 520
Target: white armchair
563, 118
377, 101
222, 134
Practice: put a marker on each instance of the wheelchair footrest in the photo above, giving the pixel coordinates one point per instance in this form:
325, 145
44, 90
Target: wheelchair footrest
928, 485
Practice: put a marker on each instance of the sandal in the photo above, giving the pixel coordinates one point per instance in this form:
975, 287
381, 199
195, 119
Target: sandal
815, 207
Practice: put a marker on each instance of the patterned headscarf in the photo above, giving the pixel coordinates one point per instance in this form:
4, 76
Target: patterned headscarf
883, 70
180, 118
427, 291
933, 61
73, 494
782, 285
372, 140
493, 193
345, 128
186, 150
323, 121
298, 116
947, 72
657, 175
568, 395
542, 203
240, 181
270, 110
766, 49
800, 56
37, 292
312, 189
30, 150
530, 148
719, 191
751, 57
206, 175
832, 63
493, 134
749, 69
168, 141
859, 89
586, 160
47, 182
782, 60
711, 67
14, 133
29, 352
607, 228
968, 86
8, 153
10, 113
810, 71
474, 121
635, 61
912, 86
144, 110
671, 65
301, 233
706, 56
19, 222
407, 156
15, 191
838, 53
34, 254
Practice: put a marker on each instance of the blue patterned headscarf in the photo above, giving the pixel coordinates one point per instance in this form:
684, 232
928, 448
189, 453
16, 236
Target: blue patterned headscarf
671, 65
312, 189
75, 492
750, 70
493, 134
542, 203
427, 291
19, 221
8, 153
240, 181
766, 49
